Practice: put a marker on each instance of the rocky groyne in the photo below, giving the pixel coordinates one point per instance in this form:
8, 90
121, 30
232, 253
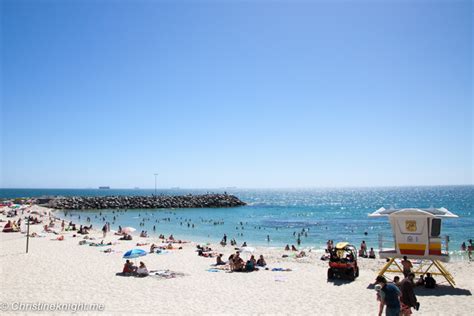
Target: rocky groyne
133, 202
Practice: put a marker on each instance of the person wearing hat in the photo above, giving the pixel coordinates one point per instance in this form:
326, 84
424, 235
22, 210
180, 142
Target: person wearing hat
389, 296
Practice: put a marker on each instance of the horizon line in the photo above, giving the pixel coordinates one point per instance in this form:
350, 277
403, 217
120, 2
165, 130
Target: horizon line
237, 188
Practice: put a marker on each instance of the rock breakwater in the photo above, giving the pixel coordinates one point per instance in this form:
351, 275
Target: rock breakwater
133, 202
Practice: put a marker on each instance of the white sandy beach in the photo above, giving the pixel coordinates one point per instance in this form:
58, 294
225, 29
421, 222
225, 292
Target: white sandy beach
65, 272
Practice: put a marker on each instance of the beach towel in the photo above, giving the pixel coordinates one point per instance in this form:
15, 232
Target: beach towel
165, 274
280, 279
281, 269
213, 270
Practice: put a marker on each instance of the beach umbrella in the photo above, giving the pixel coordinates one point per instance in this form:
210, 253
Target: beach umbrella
128, 230
134, 253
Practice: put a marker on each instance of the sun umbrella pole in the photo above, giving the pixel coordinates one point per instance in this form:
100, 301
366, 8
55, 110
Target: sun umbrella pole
27, 235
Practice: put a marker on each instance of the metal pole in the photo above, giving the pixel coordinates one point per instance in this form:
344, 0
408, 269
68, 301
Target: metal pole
28, 234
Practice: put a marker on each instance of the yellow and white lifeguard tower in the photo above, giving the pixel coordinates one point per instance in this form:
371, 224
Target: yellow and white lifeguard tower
417, 235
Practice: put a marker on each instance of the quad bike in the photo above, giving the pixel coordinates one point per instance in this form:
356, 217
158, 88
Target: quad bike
343, 262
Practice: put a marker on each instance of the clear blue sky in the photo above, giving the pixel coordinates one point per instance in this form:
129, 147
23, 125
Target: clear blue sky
246, 93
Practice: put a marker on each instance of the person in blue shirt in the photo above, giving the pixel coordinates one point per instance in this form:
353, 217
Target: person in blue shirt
389, 297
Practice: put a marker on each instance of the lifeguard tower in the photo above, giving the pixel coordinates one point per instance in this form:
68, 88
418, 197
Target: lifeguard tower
417, 235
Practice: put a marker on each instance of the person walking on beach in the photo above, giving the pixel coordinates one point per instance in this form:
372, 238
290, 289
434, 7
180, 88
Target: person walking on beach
104, 230
389, 297
469, 250
407, 265
408, 299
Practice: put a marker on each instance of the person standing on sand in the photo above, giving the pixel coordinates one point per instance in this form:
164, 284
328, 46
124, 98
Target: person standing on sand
407, 265
104, 230
363, 249
469, 250
389, 296
408, 298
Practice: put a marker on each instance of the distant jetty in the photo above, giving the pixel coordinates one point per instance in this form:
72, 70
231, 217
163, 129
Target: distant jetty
134, 202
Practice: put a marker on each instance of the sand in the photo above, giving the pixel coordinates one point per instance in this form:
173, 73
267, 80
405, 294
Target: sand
65, 272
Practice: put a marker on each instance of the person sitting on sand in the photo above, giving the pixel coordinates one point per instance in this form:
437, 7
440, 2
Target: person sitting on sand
82, 230
244, 244
126, 237
219, 260
301, 254
47, 229
252, 258
287, 247
261, 262
128, 267
171, 237
420, 281
142, 270
430, 282
372, 253
152, 248
170, 246
293, 248
8, 228
250, 265
238, 262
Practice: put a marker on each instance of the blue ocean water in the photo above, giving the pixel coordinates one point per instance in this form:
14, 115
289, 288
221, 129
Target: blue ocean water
337, 214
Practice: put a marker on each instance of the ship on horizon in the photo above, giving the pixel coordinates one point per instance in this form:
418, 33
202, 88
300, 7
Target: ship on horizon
104, 188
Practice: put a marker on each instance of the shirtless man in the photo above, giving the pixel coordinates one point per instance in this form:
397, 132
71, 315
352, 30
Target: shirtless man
407, 265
